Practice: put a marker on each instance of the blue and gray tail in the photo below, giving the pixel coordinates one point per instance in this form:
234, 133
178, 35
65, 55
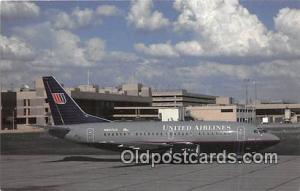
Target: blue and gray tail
64, 109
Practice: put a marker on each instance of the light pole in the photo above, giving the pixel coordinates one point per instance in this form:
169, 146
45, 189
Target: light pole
246, 81
0, 101
13, 118
255, 99
0, 106
255, 90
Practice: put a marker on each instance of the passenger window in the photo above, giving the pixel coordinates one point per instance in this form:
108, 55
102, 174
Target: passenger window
161, 133
152, 133
112, 134
104, 134
108, 134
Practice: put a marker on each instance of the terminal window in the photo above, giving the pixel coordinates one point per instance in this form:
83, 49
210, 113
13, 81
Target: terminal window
226, 110
32, 120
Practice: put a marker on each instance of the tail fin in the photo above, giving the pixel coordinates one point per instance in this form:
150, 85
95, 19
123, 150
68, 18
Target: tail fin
64, 109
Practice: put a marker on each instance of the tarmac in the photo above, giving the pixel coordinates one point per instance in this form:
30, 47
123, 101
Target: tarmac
37, 161
106, 172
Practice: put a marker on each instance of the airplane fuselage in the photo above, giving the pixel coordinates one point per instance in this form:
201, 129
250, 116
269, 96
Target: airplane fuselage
211, 136
72, 123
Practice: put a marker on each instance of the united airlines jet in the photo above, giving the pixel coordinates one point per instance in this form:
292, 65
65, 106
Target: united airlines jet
72, 123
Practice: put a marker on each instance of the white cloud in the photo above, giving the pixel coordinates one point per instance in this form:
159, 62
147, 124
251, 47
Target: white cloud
95, 49
65, 50
5, 65
14, 48
68, 48
63, 20
82, 17
190, 48
278, 79
120, 56
226, 28
209, 69
214, 29
221, 27
287, 38
273, 69
54, 47
107, 10
156, 50
18, 10
149, 69
280, 68
142, 16
78, 18
288, 22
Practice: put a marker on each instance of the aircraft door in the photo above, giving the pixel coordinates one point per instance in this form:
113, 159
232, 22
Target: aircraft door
90, 135
170, 134
240, 137
240, 134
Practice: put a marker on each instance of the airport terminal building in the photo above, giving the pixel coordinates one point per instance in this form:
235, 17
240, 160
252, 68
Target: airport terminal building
164, 103
180, 98
277, 112
27, 106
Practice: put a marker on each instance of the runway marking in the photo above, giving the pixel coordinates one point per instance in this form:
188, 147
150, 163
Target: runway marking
247, 173
146, 170
194, 171
283, 183
148, 181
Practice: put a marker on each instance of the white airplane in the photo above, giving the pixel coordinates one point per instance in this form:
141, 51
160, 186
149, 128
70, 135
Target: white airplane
72, 123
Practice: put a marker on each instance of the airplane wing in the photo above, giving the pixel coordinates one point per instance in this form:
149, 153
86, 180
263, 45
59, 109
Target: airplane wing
142, 146
132, 146
148, 146
57, 131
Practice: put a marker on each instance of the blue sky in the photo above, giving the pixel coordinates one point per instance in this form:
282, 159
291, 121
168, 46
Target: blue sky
204, 46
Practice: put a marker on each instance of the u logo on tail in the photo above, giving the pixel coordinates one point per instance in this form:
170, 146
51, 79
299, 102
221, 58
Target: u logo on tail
64, 110
59, 98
